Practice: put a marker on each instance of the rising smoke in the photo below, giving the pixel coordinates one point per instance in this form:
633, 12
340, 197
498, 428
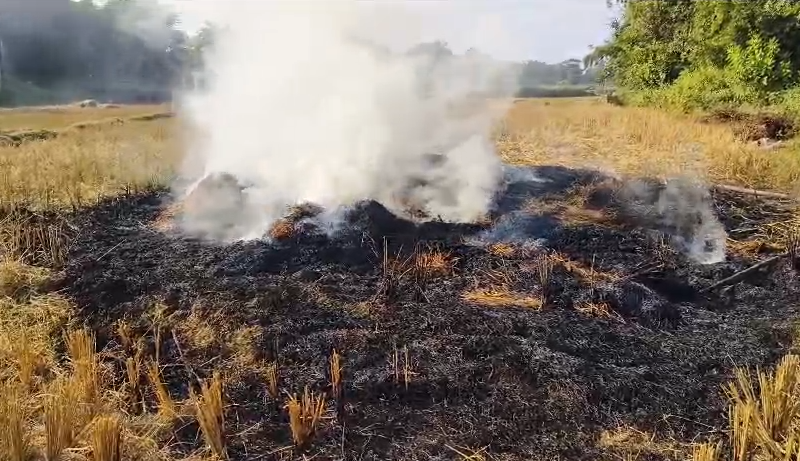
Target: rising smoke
319, 102
687, 207
681, 208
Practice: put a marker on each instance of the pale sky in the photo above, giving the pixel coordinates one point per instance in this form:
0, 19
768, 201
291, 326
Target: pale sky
545, 30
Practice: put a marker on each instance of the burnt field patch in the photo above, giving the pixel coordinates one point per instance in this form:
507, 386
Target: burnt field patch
577, 307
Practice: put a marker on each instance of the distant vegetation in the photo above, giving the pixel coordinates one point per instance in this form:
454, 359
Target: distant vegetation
570, 78
56, 51
705, 56
536, 79
64, 50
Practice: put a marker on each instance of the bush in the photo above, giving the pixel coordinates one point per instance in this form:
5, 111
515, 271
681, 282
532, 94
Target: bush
702, 89
788, 103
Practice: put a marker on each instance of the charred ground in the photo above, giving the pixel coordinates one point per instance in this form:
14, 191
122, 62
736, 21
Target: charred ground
624, 335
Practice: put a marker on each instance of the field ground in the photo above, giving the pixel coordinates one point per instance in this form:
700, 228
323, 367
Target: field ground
56, 117
401, 341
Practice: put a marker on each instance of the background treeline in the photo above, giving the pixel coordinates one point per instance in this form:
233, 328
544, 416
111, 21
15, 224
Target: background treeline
64, 50
705, 55
57, 51
569, 78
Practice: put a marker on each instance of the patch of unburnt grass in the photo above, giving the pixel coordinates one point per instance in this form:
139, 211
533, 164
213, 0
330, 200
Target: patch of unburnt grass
107, 438
502, 297
707, 451
630, 443
433, 263
272, 379
793, 246
496, 287
62, 394
587, 273
503, 250
209, 407
306, 414
762, 415
19, 280
335, 372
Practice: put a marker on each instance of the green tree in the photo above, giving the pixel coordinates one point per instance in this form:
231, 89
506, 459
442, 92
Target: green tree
683, 46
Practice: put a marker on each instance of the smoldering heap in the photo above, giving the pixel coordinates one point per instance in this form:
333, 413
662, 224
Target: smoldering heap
565, 308
363, 120
218, 208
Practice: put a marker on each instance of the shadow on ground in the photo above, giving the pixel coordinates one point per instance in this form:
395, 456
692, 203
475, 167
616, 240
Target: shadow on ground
529, 384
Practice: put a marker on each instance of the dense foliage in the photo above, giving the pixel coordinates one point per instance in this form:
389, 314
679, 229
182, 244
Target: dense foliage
704, 54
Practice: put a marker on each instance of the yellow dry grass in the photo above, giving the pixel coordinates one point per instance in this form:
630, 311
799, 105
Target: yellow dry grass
469, 454
586, 132
167, 409
632, 444
18, 278
501, 297
107, 439
210, 414
706, 451
59, 420
765, 412
14, 438
599, 310
50, 407
588, 275
305, 416
433, 263
336, 374
37, 118
763, 415
503, 250
82, 167
272, 378
402, 373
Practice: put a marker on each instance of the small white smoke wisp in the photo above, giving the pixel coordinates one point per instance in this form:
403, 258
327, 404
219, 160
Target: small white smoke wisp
683, 210
304, 104
686, 206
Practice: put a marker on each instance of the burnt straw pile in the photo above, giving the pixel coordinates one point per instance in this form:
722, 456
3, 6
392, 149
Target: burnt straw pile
581, 304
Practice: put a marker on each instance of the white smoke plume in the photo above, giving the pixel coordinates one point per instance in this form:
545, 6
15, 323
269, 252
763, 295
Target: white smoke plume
682, 208
305, 104
687, 207
148, 20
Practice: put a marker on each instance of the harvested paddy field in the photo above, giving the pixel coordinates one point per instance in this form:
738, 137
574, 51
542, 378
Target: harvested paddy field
582, 319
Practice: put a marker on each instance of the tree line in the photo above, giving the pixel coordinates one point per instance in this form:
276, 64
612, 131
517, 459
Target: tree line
534, 78
64, 50
55, 51
702, 55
